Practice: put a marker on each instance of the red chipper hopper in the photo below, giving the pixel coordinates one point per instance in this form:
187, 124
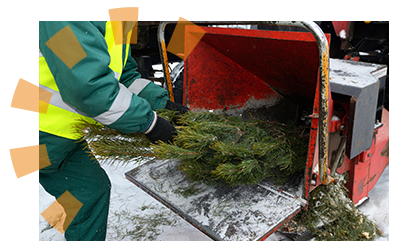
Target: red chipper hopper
282, 76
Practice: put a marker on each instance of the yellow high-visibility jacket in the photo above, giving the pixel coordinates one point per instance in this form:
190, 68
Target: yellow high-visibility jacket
101, 85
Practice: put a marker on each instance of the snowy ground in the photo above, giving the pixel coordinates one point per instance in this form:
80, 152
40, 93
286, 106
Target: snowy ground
134, 207
126, 197
377, 207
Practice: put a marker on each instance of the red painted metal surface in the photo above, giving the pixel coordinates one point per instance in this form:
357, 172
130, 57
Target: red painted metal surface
341, 25
366, 168
230, 67
216, 82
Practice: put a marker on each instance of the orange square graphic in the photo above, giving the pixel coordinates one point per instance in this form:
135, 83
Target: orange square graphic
177, 43
123, 32
61, 212
25, 160
124, 14
67, 47
124, 22
26, 97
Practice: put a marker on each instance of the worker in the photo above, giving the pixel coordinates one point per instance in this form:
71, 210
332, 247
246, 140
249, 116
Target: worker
92, 78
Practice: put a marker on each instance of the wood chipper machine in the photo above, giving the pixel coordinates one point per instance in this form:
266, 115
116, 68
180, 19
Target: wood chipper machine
277, 76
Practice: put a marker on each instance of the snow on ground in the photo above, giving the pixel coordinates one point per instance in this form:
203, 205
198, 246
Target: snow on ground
377, 207
126, 198
134, 207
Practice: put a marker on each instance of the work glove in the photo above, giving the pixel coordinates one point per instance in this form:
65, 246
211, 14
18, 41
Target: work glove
160, 130
176, 107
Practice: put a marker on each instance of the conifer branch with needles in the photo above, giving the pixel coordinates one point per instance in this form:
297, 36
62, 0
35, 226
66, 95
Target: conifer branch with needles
212, 148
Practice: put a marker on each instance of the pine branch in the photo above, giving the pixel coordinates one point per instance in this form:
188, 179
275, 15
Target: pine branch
172, 151
118, 149
212, 148
246, 172
110, 145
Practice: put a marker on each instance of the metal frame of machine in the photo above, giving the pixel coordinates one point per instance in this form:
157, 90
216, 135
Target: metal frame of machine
323, 48
349, 129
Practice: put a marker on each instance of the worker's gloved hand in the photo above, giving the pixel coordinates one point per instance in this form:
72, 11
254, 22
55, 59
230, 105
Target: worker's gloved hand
176, 107
160, 130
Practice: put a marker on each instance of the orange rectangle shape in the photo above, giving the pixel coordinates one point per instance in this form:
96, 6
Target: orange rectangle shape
25, 160
124, 32
25, 96
177, 43
67, 47
61, 212
124, 14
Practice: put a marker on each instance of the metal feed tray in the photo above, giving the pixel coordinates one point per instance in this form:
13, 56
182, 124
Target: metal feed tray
222, 213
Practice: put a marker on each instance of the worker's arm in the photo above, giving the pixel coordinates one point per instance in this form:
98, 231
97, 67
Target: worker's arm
89, 85
154, 94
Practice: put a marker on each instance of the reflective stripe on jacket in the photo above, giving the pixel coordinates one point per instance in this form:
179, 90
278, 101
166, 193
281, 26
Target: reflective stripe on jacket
61, 117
